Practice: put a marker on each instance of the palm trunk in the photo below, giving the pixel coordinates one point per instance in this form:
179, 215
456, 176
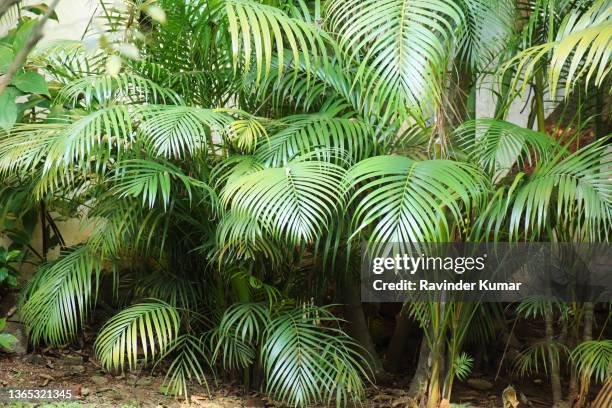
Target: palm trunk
418, 385
587, 335
555, 378
539, 101
357, 327
397, 345
433, 390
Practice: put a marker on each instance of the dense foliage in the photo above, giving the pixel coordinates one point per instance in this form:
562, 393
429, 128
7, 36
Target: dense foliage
228, 157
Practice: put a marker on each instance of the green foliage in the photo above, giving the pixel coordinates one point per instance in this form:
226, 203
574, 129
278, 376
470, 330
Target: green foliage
463, 366
147, 327
7, 340
60, 296
594, 359
580, 50
8, 273
412, 201
224, 154
305, 356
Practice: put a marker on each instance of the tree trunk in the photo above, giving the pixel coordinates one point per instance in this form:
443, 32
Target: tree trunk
587, 335
397, 345
437, 371
418, 385
357, 327
555, 378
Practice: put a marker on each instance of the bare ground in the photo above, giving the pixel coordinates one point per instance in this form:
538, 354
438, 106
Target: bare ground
92, 387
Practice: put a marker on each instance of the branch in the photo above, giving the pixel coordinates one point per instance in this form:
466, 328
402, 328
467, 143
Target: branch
22, 55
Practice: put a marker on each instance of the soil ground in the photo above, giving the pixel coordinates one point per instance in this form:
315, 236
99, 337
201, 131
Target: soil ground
95, 388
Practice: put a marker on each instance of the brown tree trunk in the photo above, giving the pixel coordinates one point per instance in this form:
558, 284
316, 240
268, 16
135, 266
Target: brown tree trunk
357, 327
555, 377
587, 335
418, 385
397, 345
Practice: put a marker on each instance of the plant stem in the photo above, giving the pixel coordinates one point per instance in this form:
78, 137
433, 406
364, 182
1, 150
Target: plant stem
539, 101
587, 335
555, 379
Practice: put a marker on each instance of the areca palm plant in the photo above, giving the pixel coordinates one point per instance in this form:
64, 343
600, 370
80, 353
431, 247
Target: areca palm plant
230, 155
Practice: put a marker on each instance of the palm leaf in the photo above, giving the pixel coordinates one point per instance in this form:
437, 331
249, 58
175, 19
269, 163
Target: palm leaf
400, 45
582, 48
594, 358
104, 89
295, 202
498, 145
411, 201
486, 29
148, 179
578, 184
149, 328
175, 131
306, 361
257, 30
59, 297
322, 131
188, 355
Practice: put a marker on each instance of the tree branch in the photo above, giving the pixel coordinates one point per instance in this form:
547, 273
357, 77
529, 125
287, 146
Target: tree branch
22, 55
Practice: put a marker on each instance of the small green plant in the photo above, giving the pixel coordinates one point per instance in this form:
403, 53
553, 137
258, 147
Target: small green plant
8, 273
7, 341
463, 366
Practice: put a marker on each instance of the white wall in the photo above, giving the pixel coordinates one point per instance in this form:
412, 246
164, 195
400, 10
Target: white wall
74, 17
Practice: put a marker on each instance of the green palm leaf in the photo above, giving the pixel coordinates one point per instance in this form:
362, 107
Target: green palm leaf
582, 48
145, 327
411, 201
305, 361
105, 89
498, 145
241, 329
257, 30
92, 135
148, 179
60, 296
322, 131
575, 190
295, 202
175, 131
400, 45
486, 29
188, 359
594, 358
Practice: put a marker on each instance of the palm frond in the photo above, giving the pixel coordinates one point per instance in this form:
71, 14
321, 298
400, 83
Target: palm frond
175, 131
322, 132
59, 297
400, 46
149, 328
537, 357
582, 49
189, 360
152, 181
305, 360
105, 89
294, 202
486, 29
594, 358
498, 145
258, 29
575, 190
407, 201
239, 333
